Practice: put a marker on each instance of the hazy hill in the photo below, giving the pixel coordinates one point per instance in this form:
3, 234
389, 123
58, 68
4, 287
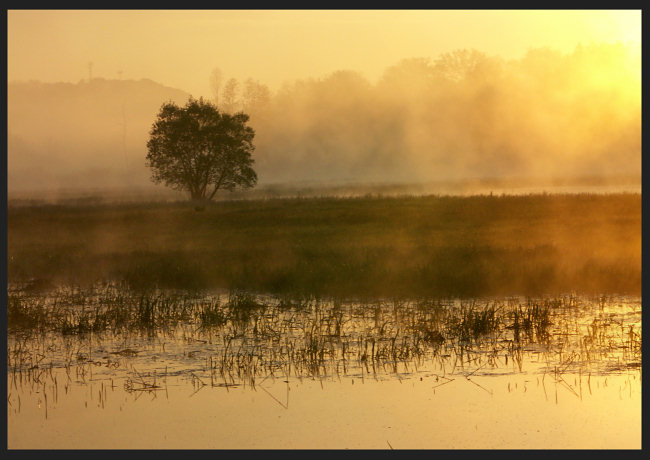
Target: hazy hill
89, 134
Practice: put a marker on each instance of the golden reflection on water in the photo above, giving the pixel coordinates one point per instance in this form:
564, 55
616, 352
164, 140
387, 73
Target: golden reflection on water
575, 384
509, 411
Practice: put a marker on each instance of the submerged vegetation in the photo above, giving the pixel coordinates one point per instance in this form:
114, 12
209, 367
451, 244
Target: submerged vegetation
364, 247
238, 339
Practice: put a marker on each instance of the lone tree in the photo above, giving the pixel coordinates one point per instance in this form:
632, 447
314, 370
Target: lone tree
200, 150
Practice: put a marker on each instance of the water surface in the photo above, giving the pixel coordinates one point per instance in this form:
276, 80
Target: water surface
266, 373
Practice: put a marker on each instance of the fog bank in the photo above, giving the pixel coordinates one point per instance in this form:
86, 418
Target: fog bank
461, 116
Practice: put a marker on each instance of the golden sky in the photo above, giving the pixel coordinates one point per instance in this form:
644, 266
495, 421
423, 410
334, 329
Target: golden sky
179, 48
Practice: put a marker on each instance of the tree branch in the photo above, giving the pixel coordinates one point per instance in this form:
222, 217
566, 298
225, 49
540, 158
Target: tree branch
217, 185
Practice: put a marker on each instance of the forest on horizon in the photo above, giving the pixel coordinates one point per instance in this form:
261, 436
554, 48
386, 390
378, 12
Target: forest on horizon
462, 115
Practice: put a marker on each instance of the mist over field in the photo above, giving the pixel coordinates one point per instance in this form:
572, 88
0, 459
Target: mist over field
348, 229
461, 115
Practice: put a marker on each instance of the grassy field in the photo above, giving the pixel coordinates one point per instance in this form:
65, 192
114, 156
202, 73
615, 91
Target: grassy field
353, 247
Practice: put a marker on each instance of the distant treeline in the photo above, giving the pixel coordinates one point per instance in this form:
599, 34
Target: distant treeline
463, 114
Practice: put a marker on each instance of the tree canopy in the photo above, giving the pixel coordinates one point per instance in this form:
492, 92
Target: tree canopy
198, 149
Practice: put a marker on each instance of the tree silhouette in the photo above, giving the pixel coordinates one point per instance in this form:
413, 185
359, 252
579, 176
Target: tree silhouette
216, 78
230, 96
200, 150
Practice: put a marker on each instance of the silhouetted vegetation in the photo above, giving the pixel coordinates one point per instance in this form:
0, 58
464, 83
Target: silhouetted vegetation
243, 338
200, 150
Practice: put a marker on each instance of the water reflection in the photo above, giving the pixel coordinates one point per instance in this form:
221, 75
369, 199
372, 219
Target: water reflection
110, 348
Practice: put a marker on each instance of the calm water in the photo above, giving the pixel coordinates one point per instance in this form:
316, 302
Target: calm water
478, 373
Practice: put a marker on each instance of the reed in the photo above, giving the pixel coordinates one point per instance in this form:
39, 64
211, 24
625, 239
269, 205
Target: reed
244, 338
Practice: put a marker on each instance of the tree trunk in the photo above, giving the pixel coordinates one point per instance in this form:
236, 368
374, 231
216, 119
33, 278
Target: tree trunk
199, 200
197, 196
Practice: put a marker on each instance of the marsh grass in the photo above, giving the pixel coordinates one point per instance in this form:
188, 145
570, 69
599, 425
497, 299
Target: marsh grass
364, 247
242, 339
